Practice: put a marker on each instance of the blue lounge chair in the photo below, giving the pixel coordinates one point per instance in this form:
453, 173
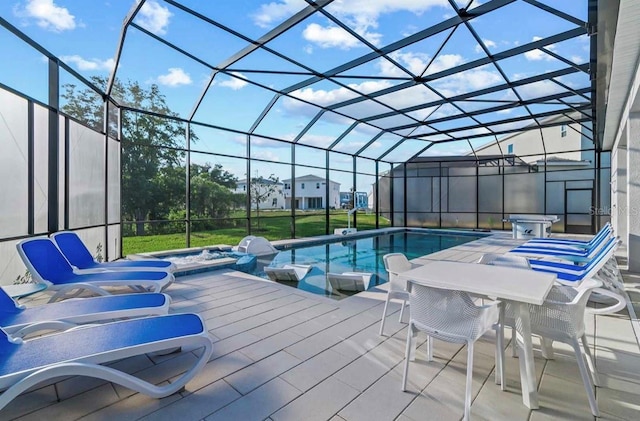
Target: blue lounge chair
47, 264
79, 256
563, 250
573, 274
605, 231
19, 321
80, 352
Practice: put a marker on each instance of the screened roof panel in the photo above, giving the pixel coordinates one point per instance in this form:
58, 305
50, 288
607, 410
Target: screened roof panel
180, 78
286, 118
327, 130
519, 22
405, 150
384, 22
221, 107
252, 18
364, 109
444, 149
301, 42
356, 139
335, 73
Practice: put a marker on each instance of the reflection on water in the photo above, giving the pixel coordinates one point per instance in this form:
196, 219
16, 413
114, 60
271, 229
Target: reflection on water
358, 255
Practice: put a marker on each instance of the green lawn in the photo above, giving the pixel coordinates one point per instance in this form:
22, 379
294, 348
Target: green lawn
274, 225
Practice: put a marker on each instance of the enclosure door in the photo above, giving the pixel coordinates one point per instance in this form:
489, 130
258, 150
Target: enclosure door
578, 211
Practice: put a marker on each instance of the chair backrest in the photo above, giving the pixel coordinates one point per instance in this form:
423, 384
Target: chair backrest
43, 259
601, 257
449, 314
495, 259
563, 310
604, 232
8, 304
74, 249
395, 263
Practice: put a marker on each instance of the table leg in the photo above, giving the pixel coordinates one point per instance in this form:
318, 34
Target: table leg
527, 367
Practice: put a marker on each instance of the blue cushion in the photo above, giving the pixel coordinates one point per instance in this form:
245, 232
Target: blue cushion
66, 309
74, 250
115, 276
47, 259
77, 344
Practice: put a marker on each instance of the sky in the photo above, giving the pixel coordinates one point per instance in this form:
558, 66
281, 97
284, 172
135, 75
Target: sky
84, 34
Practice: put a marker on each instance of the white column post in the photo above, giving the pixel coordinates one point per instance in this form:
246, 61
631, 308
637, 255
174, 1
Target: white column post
633, 191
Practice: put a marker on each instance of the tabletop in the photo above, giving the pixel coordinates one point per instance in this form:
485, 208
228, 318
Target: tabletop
523, 285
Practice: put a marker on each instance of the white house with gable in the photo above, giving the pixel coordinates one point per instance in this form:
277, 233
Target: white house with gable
311, 193
275, 200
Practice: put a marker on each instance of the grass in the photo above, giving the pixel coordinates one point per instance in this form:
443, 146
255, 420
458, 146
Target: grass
273, 225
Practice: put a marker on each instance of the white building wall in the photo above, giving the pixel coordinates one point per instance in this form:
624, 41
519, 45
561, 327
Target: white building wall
528, 145
273, 201
308, 190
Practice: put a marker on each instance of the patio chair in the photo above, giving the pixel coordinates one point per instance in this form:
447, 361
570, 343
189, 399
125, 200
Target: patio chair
47, 264
451, 316
19, 321
76, 253
605, 231
561, 318
287, 273
556, 250
349, 281
80, 352
395, 263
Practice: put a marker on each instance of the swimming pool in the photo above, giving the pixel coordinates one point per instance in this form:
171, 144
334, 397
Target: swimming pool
362, 254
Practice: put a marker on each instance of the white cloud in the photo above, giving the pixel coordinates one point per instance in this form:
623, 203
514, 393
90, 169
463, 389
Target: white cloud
308, 49
536, 55
235, 83
417, 62
577, 59
361, 15
153, 17
175, 77
48, 15
271, 13
321, 141
488, 43
334, 36
94, 64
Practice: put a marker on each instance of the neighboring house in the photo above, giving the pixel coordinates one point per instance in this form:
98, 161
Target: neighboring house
527, 145
274, 200
311, 193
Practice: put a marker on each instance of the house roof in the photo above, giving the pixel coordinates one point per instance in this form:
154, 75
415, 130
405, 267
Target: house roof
310, 177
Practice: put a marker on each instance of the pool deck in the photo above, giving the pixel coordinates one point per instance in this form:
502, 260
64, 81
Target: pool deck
283, 354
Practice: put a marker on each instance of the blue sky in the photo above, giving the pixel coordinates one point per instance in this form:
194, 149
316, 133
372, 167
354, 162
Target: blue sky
85, 34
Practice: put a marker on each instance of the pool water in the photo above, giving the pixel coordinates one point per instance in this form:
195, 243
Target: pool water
359, 255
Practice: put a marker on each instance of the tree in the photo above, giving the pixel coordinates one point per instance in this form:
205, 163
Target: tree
261, 189
150, 145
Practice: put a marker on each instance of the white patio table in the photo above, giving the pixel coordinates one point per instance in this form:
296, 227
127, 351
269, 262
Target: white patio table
520, 286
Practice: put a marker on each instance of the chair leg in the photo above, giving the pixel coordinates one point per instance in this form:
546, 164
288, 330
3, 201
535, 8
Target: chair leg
514, 343
407, 355
429, 348
500, 369
547, 347
467, 396
384, 314
499, 375
590, 361
404, 303
586, 378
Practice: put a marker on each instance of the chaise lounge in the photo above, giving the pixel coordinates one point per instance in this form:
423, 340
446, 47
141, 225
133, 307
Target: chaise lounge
47, 264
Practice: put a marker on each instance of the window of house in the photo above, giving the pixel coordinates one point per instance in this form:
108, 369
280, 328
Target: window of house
274, 202
287, 186
244, 188
302, 185
563, 130
317, 185
510, 149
